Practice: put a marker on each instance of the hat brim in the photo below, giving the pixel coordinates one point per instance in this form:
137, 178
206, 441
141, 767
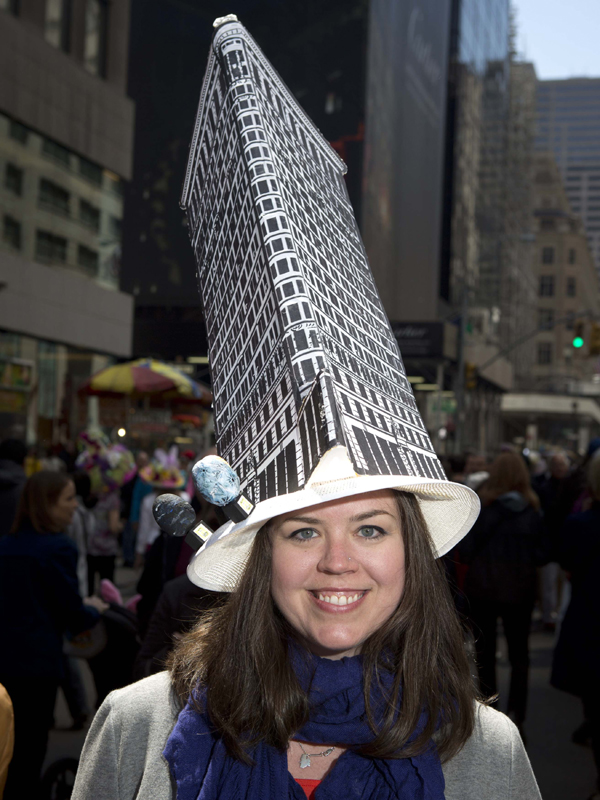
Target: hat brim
450, 510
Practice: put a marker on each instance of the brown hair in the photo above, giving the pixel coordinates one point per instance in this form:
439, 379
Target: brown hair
239, 653
508, 473
39, 494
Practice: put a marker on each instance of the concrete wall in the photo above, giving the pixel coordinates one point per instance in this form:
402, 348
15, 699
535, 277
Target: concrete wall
55, 304
51, 92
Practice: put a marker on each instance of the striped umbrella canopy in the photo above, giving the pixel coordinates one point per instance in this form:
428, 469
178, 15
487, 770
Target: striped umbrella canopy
146, 376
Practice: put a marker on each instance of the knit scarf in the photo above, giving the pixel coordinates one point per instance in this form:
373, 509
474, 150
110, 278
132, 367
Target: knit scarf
203, 770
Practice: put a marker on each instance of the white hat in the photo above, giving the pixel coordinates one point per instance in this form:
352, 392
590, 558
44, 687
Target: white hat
311, 399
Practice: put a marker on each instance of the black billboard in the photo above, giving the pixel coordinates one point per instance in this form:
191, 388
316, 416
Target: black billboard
406, 101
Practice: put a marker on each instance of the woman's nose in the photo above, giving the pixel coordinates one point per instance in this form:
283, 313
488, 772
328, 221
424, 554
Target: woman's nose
336, 557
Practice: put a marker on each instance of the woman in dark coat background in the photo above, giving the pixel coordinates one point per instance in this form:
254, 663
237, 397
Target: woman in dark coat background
503, 550
39, 602
576, 664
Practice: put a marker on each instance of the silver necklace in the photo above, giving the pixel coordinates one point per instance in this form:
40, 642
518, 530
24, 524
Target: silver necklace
306, 757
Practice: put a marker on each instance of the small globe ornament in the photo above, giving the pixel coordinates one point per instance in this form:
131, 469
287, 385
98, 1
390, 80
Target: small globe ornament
216, 481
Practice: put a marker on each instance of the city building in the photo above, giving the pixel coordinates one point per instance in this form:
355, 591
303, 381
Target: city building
567, 281
568, 125
66, 127
312, 361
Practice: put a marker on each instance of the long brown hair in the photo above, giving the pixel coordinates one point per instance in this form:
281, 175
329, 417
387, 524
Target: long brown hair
240, 654
508, 473
39, 494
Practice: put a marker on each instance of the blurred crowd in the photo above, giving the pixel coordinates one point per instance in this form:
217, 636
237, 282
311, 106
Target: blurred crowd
69, 520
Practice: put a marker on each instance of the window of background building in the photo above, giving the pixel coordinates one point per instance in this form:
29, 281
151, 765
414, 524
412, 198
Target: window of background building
87, 259
53, 197
13, 179
57, 29
95, 43
544, 353
50, 248
89, 215
90, 171
571, 286
11, 232
546, 285
17, 131
546, 319
56, 152
10, 5
547, 225
572, 255
570, 323
547, 255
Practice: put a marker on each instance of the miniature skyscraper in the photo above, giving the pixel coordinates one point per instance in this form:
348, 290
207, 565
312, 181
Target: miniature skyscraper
301, 352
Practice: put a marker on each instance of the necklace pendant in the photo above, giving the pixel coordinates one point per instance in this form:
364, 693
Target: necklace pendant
304, 761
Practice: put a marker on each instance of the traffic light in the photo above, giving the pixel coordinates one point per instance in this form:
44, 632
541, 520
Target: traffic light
578, 330
470, 376
595, 339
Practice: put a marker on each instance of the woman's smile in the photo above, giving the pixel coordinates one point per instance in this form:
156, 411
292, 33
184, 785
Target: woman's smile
338, 600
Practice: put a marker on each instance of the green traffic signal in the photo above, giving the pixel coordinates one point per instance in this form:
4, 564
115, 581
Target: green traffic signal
578, 342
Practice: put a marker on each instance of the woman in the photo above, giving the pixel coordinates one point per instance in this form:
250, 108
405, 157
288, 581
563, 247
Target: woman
576, 663
504, 549
39, 602
338, 602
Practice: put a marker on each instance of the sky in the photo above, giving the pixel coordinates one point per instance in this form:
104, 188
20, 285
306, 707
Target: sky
561, 37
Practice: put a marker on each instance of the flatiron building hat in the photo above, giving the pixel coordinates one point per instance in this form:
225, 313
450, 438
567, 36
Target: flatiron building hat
311, 399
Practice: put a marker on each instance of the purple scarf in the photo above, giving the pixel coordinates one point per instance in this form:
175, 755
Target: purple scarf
203, 770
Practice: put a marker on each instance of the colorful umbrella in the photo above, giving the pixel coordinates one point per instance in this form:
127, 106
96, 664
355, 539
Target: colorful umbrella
146, 376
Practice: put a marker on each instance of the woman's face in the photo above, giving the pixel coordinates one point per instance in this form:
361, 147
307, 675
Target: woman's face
338, 570
64, 508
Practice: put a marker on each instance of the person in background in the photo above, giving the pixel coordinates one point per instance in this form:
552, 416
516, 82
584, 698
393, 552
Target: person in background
502, 551
39, 603
576, 662
127, 493
162, 475
141, 489
103, 543
548, 487
180, 605
7, 736
13, 453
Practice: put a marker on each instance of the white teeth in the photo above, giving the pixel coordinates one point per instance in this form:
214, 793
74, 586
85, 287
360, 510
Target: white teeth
341, 600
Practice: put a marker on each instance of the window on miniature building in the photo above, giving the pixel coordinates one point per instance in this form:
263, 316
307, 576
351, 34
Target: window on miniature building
547, 255
18, 132
546, 288
13, 179
571, 286
572, 255
546, 319
11, 232
544, 353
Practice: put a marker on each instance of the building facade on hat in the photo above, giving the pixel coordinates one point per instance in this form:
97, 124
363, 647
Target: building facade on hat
301, 351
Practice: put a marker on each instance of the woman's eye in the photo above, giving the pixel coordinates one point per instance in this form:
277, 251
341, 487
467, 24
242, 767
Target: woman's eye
369, 532
304, 535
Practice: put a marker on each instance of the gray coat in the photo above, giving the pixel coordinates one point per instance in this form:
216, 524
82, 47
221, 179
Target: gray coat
122, 757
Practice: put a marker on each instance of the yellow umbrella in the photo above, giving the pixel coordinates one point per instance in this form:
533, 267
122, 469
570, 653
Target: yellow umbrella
145, 376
